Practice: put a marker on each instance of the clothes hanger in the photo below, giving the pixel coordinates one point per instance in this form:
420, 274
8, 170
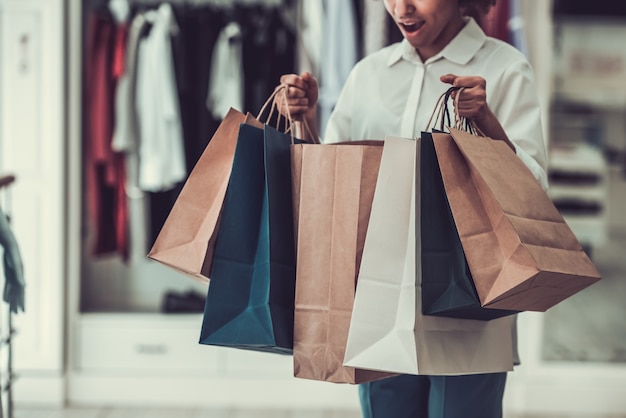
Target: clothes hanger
120, 9
224, 3
6, 180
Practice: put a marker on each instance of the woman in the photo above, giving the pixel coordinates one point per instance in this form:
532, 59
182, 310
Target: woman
393, 92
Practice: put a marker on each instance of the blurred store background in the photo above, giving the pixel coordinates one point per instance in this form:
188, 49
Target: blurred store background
108, 333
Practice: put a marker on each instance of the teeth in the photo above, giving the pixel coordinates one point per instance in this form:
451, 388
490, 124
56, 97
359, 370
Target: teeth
411, 26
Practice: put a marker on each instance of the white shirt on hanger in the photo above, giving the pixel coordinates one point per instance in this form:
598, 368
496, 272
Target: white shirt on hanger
226, 78
126, 132
161, 147
392, 92
126, 139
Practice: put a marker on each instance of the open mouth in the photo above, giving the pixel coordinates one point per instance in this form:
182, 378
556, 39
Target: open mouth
410, 27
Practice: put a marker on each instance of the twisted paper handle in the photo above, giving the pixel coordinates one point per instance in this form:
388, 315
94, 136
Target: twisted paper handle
441, 113
282, 89
462, 123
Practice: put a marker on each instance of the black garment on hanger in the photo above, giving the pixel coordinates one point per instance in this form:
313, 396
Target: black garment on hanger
268, 52
199, 29
359, 12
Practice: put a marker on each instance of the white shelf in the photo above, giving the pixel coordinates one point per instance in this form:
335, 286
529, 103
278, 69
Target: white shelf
165, 345
586, 163
584, 194
134, 359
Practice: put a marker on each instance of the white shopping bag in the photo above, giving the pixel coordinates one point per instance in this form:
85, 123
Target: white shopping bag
387, 330
381, 335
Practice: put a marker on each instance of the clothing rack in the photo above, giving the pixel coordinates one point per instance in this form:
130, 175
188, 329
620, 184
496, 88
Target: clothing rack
267, 51
7, 387
221, 3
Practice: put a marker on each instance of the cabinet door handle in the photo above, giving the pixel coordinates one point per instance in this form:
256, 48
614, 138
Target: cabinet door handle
153, 349
24, 46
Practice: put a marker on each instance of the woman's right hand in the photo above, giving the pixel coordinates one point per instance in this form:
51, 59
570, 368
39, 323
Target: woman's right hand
302, 93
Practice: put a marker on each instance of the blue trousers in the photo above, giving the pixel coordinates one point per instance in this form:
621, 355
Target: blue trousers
409, 396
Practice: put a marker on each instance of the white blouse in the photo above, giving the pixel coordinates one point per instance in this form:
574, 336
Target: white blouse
393, 93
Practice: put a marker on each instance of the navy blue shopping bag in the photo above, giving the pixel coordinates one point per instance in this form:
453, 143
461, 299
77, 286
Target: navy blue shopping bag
447, 285
250, 301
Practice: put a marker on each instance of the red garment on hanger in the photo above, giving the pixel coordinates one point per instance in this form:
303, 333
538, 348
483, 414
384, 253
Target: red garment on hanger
105, 169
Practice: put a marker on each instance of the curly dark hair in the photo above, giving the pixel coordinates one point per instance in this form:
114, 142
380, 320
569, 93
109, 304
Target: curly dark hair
476, 6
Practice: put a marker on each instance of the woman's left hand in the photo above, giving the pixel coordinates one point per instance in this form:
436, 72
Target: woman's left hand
472, 102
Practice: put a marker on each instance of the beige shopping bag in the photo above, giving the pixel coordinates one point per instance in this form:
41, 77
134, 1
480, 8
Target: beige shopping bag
186, 242
522, 254
387, 330
333, 188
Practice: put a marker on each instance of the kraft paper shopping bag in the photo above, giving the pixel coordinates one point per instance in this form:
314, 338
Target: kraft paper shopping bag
447, 286
333, 190
186, 241
522, 254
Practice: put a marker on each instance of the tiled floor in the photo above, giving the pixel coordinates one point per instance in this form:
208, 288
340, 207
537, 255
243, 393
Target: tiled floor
178, 413
215, 413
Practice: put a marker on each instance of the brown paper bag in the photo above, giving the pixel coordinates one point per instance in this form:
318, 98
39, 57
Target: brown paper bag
333, 191
522, 254
186, 241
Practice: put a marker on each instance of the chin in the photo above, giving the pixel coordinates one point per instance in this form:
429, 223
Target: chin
415, 44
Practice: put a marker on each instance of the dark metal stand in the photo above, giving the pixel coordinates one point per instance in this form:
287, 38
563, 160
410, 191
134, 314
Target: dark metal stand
6, 389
